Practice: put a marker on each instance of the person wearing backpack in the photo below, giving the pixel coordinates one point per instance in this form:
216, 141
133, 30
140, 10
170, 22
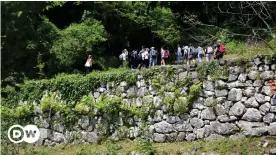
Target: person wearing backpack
220, 50
153, 57
192, 54
88, 64
200, 54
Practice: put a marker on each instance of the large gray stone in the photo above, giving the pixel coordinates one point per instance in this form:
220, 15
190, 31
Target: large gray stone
209, 85
227, 105
199, 103
260, 98
252, 128
265, 108
196, 123
268, 118
252, 115
249, 91
272, 129
221, 93
267, 75
273, 109
258, 83
222, 128
219, 84
235, 94
90, 137
183, 126
225, 118
194, 112
134, 132
142, 92
236, 84
232, 77
58, 137
253, 75
171, 137
237, 109
45, 133
235, 70
157, 101
160, 138
220, 109
251, 103
200, 133
59, 127
163, 127
181, 136
132, 91
207, 94
208, 114
173, 119
257, 61
190, 137
242, 77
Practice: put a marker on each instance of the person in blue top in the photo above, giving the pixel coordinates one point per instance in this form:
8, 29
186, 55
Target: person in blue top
153, 57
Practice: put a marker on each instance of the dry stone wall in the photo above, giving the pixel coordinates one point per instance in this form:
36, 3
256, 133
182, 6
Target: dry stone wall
233, 106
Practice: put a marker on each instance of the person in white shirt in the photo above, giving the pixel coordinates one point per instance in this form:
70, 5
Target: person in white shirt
178, 54
209, 53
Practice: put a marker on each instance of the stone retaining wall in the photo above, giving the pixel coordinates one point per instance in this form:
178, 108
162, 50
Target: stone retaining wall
235, 106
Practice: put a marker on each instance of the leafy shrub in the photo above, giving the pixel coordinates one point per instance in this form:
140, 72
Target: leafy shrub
71, 87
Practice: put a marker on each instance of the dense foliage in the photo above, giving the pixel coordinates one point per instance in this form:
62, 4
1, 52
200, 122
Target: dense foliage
42, 39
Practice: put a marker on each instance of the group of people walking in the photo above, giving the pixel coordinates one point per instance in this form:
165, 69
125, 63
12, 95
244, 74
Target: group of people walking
190, 53
146, 57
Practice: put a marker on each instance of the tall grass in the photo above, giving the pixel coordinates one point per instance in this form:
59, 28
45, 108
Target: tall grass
240, 49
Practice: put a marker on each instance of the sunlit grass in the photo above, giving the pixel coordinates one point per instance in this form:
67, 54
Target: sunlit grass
235, 147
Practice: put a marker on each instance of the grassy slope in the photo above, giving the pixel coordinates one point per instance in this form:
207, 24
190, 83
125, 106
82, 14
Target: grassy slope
247, 146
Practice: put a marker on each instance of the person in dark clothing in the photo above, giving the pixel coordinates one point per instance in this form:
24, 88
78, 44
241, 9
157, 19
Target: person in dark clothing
133, 59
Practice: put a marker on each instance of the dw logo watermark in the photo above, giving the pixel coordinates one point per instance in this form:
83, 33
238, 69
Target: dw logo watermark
18, 133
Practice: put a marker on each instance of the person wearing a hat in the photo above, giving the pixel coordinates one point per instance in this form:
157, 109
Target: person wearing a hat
153, 57
88, 64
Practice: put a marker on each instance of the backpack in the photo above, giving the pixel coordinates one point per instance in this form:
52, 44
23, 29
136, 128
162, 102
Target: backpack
222, 49
121, 57
153, 53
165, 54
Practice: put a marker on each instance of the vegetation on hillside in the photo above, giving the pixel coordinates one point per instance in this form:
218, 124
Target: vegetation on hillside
42, 39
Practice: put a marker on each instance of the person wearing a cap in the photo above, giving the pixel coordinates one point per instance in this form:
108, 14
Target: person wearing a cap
88, 64
153, 57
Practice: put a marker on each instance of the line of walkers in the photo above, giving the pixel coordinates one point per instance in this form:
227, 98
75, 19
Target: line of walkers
148, 57
144, 58
190, 53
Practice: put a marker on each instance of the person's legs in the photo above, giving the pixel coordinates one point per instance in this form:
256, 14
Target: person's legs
199, 59
150, 62
155, 61
87, 70
207, 57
